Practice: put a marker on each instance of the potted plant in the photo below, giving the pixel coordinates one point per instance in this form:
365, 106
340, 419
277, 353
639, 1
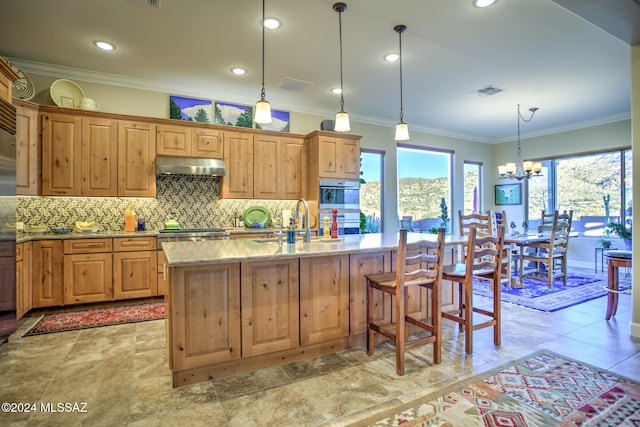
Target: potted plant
604, 243
623, 230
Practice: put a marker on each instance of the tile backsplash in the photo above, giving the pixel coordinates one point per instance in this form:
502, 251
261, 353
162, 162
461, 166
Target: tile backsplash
193, 201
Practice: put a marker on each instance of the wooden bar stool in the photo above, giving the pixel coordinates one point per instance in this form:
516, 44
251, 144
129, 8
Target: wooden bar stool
428, 275
615, 260
484, 261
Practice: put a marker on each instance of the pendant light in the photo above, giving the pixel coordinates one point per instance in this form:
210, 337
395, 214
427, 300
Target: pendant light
342, 117
520, 170
402, 129
263, 108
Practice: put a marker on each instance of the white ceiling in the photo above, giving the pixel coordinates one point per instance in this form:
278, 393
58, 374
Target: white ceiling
539, 53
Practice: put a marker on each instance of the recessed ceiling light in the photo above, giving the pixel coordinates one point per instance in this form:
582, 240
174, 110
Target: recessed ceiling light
272, 23
483, 3
103, 45
336, 90
392, 57
238, 71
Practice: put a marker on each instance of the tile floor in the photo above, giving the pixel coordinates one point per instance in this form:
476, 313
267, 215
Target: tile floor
122, 374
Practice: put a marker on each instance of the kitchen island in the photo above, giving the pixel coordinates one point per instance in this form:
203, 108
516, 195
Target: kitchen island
242, 305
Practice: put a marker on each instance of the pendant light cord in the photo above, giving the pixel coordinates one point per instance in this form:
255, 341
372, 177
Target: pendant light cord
341, 85
400, 49
262, 94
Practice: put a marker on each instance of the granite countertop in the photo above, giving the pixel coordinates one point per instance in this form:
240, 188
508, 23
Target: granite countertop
224, 251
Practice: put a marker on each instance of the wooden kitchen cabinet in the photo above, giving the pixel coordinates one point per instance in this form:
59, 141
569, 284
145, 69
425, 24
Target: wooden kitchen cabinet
279, 168
61, 154
270, 293
238, 157
79, 155
185, 141
324, 298
136, 159
162, 273
7, 275
204, 316
27, 149
334, 156
360, 265
46, 273
99, 157
135, 264
88, 271
23, 279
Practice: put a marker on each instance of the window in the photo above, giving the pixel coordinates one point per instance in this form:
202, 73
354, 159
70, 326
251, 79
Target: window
472, 187
424, 182
594, 186
371, 194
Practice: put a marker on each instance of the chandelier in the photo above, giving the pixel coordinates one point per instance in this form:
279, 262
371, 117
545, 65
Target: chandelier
520, 170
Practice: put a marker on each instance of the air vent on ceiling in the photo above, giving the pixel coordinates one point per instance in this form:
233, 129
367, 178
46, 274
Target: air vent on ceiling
293, 84
152, 3
486, 91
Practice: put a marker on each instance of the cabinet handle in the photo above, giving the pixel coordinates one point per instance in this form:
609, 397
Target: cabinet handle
164, 271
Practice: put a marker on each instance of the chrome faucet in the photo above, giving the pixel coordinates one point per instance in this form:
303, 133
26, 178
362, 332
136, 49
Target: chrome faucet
307, 232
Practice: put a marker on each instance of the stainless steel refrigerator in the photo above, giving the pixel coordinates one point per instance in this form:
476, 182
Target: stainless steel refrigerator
8, 320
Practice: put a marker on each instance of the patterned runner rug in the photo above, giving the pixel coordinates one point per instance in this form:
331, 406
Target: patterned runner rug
74, 320
537, 295
541, 390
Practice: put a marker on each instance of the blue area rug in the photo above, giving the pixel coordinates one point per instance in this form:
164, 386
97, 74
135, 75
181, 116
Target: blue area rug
537, 295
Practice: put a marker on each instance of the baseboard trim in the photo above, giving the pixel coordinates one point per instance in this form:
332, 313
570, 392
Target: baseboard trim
634, 329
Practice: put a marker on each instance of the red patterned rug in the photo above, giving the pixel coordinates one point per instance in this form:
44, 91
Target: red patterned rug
74, 320
541, 390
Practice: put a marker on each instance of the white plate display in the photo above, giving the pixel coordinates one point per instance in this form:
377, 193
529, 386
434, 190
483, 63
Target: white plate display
66, 93
88, 230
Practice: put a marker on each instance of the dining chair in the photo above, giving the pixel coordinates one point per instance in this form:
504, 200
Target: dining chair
549, 257
510, 255
482, 222
484, 259
418, 264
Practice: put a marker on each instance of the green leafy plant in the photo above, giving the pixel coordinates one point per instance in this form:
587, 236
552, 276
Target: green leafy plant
604, 243
624, 231
444, 212
433, 230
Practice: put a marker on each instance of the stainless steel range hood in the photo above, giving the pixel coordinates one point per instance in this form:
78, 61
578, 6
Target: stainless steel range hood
171, 165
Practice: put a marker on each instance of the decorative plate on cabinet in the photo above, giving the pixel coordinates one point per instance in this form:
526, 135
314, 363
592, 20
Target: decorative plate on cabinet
22, 88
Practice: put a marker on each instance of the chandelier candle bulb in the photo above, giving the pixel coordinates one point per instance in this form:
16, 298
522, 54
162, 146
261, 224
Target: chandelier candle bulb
537, 167
528, 166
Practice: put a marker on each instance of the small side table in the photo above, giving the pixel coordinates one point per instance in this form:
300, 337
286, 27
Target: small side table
615, 260
597, 250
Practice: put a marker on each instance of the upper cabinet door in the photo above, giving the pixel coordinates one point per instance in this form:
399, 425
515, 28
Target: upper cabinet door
207, 143
267, 150
61, 155
174, 140
27, 150
136, 159
238, 156
99, 157
293, 168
